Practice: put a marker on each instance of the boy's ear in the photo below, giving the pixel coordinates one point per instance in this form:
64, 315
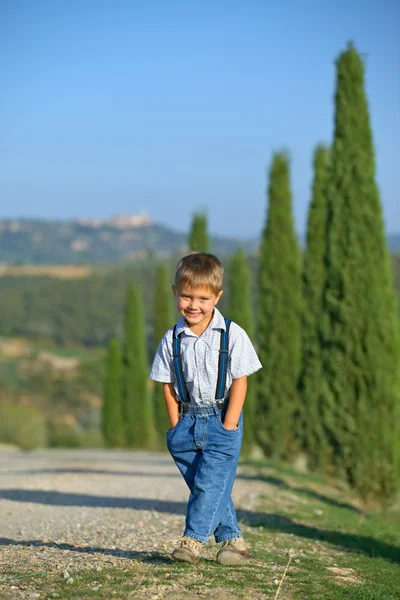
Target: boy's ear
173, 288
219, 296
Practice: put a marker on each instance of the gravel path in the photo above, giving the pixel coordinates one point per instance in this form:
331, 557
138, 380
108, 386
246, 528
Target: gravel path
68, 509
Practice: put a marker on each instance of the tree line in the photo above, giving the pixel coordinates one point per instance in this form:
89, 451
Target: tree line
325, 323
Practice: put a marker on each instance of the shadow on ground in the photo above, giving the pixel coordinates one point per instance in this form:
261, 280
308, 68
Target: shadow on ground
276, 481
300, 490
78, 471
145, 557
270, 521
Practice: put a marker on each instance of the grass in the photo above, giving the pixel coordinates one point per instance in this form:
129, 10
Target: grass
337, 551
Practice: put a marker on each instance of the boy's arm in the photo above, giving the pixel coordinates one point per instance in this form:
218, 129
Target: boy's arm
237, 395
171, 403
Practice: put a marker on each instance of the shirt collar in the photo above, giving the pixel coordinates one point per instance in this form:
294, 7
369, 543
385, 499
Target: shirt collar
217, 322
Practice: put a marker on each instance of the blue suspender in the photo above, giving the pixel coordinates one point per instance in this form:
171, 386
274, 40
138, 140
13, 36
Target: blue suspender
222, 364
177, 358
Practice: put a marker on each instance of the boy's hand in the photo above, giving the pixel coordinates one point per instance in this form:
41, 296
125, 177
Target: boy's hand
236, 399
230, 425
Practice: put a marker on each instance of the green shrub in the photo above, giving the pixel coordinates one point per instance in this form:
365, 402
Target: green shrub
91, 438
62, 435
23, 426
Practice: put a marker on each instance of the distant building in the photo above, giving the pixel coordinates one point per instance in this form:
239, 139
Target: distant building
119, 221
126, 221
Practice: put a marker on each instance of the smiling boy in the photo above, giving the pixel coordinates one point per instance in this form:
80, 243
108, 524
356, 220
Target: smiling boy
203, 363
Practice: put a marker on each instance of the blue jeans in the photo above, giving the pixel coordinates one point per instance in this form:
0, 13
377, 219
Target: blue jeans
207, 455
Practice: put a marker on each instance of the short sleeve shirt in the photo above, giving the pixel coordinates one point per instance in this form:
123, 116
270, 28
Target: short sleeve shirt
200, 358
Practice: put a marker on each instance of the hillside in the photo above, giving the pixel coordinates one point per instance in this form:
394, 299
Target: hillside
41, 242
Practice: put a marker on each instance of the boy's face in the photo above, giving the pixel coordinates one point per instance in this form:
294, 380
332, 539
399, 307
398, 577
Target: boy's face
196, 305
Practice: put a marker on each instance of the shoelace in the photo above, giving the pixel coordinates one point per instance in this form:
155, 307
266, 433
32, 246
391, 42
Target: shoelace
189, 543
237, 542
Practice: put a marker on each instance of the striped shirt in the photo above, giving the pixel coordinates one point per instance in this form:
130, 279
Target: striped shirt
200, 358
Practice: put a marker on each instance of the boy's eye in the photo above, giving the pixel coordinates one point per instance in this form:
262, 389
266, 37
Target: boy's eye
204, 299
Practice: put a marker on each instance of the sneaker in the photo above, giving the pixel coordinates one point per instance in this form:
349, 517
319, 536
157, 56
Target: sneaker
233, 552
187, 551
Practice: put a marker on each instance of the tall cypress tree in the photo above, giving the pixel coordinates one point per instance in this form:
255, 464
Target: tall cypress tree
309, 423
163, 320
359, 324
240, 311
112, 418
198, 237
137, 406
279, 312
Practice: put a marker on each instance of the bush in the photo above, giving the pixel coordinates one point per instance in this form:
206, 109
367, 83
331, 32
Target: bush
91, 438
62, 435
23, 426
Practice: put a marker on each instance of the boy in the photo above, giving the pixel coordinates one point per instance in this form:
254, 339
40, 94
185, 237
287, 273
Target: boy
204, 392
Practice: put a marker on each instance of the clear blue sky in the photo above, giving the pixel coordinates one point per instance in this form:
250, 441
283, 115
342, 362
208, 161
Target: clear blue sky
117, 106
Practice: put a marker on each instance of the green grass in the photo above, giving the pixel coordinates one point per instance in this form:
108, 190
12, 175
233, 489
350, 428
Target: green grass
337, 551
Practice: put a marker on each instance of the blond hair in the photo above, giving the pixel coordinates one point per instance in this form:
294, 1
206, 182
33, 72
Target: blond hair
199, 269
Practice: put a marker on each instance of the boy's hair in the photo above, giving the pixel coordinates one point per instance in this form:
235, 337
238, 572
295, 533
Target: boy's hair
199, 269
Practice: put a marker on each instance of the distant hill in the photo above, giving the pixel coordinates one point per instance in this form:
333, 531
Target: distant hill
41, 242
130, 237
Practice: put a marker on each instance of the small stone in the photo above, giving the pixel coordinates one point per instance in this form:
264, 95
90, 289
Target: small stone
65, 574
70, 580
54, 595
297, 560
276, 581
96, 587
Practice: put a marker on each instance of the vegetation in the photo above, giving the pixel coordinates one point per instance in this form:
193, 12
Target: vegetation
198, 236
163, 320
359, 323
89, 312
240, 311
137, 407
23, 426
113, 426
279, 312
309, 423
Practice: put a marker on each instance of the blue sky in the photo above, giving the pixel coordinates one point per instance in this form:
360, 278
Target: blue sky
171, 107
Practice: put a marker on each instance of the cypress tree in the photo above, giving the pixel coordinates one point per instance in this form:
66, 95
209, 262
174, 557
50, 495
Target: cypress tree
309, 423
240, 311
279, 314
359, 323
112, 419
137, 406
198, 237
163, 320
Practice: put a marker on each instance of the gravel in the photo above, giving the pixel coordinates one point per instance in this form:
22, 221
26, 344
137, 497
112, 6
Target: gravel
61, 510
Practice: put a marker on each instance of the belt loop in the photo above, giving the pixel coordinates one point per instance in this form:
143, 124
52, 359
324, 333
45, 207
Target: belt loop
180, 409
218, 407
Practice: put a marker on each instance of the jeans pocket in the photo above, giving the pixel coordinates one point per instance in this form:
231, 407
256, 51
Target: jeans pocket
171, 429
225, 429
